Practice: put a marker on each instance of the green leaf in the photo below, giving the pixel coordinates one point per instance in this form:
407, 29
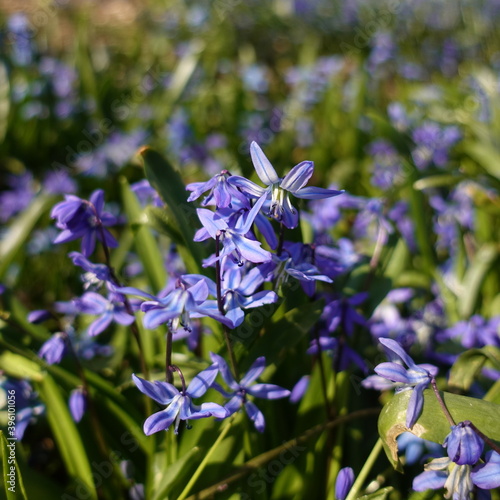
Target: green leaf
175, 473
378, 495
12, 479
468, 365
484, 154
20, 367
434, 181
167, 181
159, 220
474, 277
145, 243
20, 229
66, 435
432, 424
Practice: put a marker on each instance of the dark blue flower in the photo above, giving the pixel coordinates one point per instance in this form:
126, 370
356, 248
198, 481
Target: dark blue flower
239, 391
83, 219
77, 403
463, 444
179, 403
343, 483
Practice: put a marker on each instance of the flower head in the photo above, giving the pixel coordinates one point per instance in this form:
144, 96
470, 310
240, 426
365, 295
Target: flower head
84, 219
416, 377
238, 395
279, 189
179, 403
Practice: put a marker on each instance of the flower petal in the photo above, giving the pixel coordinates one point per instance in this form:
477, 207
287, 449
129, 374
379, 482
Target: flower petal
255, 416
162, 420
262, 165
225, 371
254, 372
298, 176
316, 193
161, 392
268, 391
200, 384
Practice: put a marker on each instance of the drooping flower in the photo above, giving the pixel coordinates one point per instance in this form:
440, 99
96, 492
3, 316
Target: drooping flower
77, 403
238, 395
463, 444
279, 189
343, 483
179, 403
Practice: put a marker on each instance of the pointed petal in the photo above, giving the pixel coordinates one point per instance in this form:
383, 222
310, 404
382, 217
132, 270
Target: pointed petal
163, 419
298, 177
393, 346
392, 371
254, 372
161, 392
100, 324
259, 299
156, 317
251, 216
212, 224
255, 416
234, 404
200, 384
262, 165
225, 371
211, 410
251, 249
316, 193
268, 391
248, 187
429, 480
415, 405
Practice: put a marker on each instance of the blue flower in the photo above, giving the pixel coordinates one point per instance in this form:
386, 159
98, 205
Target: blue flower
443, 472
108, 311
179, 403
188, 300
77, 403
95, 274
487, 476
238, 396
416, 377
84, 219
234, 240
222, 194
53, 350
279, 189
343, 483
463, 444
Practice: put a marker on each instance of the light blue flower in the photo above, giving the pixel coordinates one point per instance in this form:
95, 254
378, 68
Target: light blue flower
279, 189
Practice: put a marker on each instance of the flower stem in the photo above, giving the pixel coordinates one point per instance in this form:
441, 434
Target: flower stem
485, 438
356, 487
441, 402
169, 376
220, 305
281, 240
204, 462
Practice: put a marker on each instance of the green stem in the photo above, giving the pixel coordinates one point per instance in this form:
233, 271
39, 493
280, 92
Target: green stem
204, 462
367, 467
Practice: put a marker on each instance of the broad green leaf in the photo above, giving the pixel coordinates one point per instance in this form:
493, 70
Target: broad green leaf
20, 367
66, 435
20, 228
469, 364
159, 220
432, 424
483, 262
484, 154
145, 243
167, 181
493, 395
12, 479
